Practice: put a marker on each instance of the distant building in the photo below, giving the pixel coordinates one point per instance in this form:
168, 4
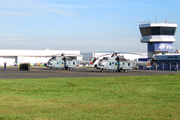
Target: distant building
160, 38
15, 57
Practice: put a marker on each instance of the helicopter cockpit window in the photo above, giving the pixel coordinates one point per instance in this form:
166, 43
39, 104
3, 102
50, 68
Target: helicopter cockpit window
105, 58
128, 64
109, 63
53, 58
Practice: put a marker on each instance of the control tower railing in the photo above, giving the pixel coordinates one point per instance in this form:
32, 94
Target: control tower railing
155, 21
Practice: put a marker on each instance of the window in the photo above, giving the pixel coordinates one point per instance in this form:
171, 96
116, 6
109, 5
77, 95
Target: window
157, 31
128, 64
109, 63
145, 31
173, 64
105, 58
168, 30
73, 63
113, 63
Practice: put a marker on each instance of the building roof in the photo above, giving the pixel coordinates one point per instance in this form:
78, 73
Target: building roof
40, 53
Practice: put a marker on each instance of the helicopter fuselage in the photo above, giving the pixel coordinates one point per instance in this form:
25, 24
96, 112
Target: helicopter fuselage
117, 63
112, 63
62, 62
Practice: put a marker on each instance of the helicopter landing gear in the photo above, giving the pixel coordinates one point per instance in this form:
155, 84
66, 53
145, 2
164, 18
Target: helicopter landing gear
70, 68
65, 68
101, 70
118, 70
50, 68
125, 71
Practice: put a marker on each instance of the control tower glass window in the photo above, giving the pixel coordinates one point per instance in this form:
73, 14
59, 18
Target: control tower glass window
158, 31
167, 31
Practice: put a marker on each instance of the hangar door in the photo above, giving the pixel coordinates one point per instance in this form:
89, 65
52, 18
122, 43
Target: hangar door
9, 60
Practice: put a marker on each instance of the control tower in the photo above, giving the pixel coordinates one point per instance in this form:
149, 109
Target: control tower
158, 36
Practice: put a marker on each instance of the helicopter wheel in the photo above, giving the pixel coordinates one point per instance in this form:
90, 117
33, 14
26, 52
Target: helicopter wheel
125, 71
70, 68
101, 70
119, 70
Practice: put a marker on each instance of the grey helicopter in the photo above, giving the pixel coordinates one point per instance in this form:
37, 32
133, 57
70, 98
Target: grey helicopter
118, 63
64, 61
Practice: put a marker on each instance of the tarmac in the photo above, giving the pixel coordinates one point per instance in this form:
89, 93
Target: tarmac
43, 72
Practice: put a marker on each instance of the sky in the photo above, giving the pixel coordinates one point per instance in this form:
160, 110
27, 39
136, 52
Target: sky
85, 25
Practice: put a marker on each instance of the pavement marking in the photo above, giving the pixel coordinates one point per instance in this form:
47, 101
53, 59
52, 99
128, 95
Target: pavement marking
38, 70
53, 71
65, 72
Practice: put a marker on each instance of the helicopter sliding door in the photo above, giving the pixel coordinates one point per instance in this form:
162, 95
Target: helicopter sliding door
111, 66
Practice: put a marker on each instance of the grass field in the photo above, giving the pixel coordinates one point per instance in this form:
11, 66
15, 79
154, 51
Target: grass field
140, 97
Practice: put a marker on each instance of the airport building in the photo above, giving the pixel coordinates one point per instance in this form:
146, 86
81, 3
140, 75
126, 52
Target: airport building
34, 57
159, 38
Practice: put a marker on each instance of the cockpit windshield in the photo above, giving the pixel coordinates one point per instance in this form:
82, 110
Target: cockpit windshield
53, 58
105, 58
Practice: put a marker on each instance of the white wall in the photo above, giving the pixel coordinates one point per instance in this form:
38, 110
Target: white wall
9, 60
32, 56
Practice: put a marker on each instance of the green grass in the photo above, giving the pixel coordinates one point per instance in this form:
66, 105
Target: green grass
140, 97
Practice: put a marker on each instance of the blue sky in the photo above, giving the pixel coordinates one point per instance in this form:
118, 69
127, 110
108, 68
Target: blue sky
85, 25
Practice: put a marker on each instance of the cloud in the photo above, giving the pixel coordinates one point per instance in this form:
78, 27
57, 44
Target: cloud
12, 37
32, 8
105, 25
13, 14
71, 6
83, 42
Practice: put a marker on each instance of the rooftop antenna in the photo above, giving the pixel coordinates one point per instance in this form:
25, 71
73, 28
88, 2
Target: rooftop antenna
156, 20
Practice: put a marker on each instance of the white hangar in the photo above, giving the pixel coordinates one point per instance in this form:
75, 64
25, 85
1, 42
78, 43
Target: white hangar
15, 57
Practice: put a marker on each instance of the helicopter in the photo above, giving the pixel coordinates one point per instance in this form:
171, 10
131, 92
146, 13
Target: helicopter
118, 63
64, 61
